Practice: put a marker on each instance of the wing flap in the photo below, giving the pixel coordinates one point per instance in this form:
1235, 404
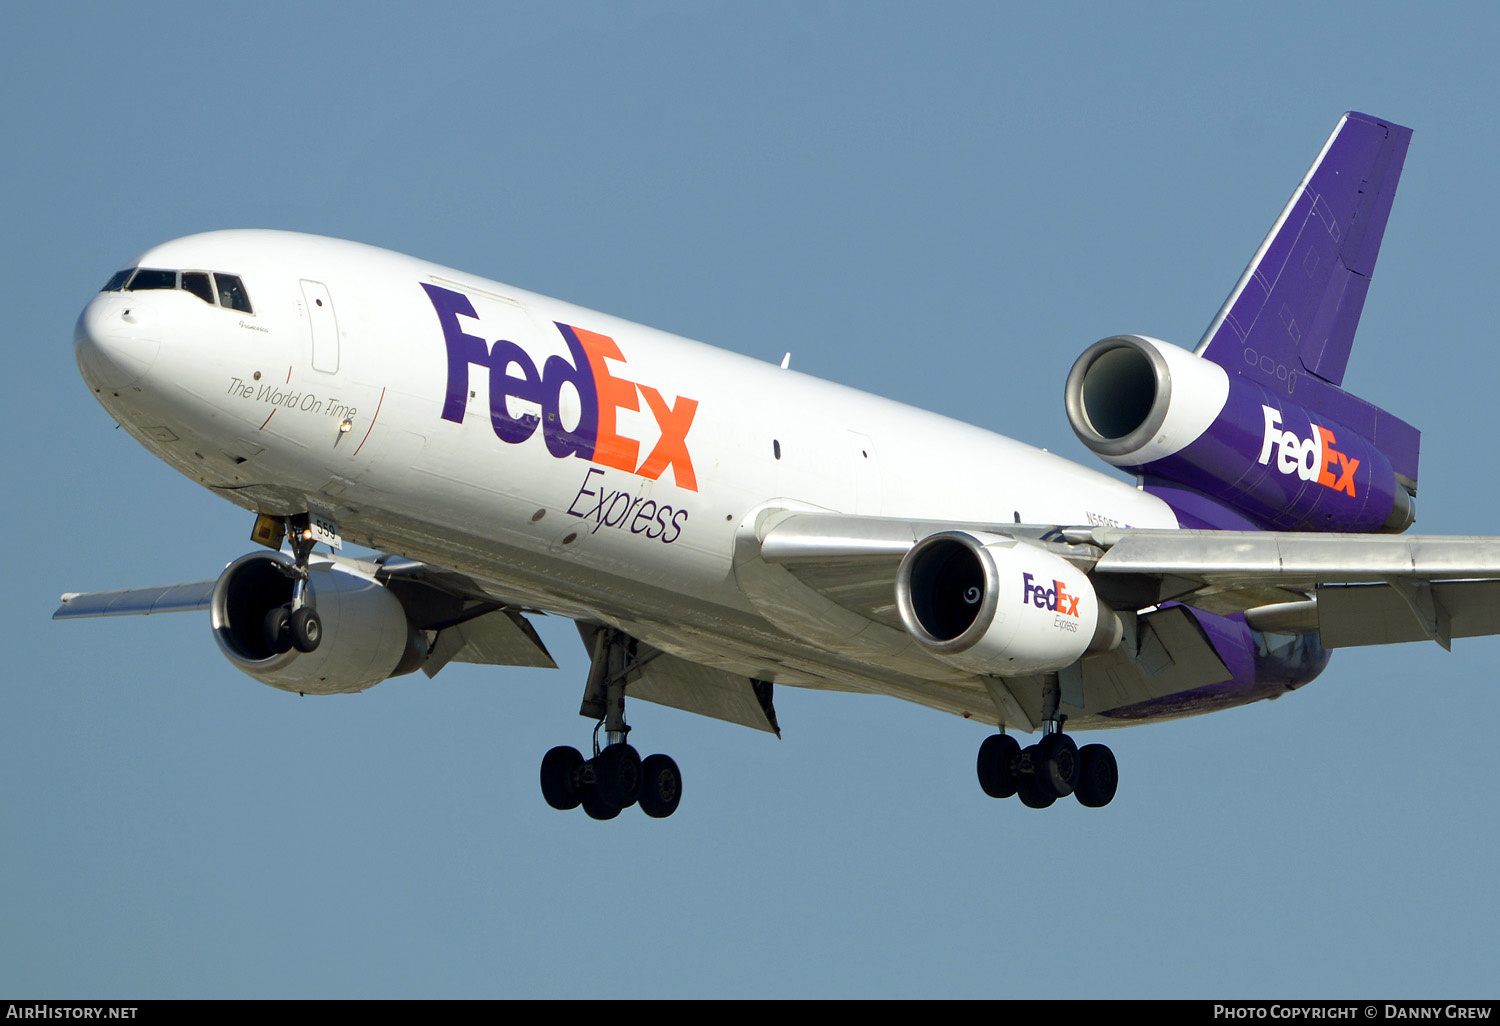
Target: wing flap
499, 638
1379, 614
1171, 655
679, 684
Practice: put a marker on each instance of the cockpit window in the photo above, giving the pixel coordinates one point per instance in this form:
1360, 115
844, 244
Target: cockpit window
231, 293
198, 284
228, 288
149, 278
117, 282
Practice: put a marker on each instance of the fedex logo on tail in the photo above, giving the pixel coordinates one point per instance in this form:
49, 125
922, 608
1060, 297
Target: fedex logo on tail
1054, 599
602, 392
1311, 459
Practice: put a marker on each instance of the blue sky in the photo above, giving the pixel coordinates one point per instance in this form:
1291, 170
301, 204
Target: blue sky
941, 203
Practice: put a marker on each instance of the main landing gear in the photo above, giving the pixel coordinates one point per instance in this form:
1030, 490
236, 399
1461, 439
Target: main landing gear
613, 780
616, 777
294, 624
1053, 768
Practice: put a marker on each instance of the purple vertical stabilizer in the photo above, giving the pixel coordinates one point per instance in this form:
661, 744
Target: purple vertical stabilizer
1300, 298
1289, 323
1253, 428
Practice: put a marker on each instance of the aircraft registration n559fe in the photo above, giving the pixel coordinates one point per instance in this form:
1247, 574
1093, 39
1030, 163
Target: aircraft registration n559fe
505, 454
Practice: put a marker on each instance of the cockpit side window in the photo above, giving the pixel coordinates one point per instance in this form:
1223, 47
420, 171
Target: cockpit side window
150, 278
232, 294
117, 282
198, 284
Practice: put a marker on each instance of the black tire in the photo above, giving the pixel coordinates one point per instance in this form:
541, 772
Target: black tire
661, 786
278, 630
1098, 776
617, 772
1056, 764
996, 765
597, 807
1030, 791
560, 785
306, 629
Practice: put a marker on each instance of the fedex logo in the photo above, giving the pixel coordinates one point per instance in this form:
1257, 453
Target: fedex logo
602, 393
1056, 598
1311, 459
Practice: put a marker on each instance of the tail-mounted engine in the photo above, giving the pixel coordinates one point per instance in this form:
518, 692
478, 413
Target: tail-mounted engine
1154, 409
366, 636
995, 605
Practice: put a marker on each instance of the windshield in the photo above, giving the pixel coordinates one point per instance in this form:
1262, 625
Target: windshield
213, 287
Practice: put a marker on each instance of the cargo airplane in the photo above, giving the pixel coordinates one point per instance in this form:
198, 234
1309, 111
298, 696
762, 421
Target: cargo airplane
720, 528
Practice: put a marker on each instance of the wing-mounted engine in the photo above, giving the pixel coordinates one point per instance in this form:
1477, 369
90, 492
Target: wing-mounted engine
1165, 413
996, 605
366, 635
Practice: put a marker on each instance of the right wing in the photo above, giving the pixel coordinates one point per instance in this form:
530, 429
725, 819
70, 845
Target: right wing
1353, 589
828, 579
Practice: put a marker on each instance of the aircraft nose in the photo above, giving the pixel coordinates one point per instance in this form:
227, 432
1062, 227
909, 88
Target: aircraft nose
116, 340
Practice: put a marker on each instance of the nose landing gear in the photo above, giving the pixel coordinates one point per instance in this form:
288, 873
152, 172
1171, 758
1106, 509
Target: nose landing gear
294, 624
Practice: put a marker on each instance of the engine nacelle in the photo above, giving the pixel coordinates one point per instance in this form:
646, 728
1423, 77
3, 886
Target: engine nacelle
1154, 409
366, 635
999, 606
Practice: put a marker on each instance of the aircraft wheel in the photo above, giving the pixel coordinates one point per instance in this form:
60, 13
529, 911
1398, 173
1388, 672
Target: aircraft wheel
278, 630
617, 771
559, 778
596, 806
1056, 764
1032, 793
306, 629
661, 786
1098, 776
996, 765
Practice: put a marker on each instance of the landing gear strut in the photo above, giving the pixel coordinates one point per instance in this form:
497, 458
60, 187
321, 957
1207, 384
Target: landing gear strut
616, 777
295, 624
1053, 768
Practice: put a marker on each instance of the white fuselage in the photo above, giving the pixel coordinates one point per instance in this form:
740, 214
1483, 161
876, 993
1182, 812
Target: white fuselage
330, 396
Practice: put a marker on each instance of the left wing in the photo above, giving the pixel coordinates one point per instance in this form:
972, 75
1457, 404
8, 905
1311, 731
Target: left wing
469, 625
172, 598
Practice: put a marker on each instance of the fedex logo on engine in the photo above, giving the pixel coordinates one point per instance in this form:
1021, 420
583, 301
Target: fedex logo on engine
1311, 459
539, 396
1054, 599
